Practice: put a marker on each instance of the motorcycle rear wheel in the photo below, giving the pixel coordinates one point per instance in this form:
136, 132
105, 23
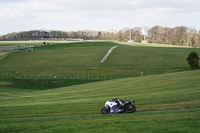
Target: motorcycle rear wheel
130, 109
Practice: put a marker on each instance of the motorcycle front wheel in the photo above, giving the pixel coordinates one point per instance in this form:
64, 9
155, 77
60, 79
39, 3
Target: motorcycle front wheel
130, 109
105, 111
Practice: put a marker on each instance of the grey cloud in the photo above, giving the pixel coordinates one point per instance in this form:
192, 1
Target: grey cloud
178, 4
12, 1
95, 14
99, 5
127, 6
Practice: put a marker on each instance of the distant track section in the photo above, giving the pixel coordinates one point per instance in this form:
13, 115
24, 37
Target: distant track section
108, 53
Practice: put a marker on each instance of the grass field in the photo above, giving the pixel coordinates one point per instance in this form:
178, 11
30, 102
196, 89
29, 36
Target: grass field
5, 46
83, 60
167, 84
170, 122
153, 45
160, 92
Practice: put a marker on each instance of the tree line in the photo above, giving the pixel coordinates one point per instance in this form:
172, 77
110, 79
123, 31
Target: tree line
180, 35
176, 36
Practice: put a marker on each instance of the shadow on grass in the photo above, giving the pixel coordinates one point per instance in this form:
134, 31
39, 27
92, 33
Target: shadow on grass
42, 83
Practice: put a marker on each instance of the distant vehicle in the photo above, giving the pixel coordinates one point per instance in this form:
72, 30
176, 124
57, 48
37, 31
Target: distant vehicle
113, 106
16, 51
7, 50
28, 50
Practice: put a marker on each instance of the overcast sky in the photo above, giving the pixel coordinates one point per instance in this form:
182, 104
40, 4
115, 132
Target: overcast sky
67, 15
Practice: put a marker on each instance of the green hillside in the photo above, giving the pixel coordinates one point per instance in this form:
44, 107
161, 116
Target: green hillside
82, 60
166, 91
160, 92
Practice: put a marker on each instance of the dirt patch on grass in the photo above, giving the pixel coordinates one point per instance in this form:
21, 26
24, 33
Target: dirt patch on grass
2, 53
3, 83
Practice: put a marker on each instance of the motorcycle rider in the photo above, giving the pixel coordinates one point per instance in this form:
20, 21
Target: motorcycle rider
120, 103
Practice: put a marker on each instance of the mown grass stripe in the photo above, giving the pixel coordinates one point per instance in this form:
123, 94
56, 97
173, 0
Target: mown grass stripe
67, 116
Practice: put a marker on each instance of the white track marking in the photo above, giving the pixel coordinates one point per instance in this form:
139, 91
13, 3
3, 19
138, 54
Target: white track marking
108, 53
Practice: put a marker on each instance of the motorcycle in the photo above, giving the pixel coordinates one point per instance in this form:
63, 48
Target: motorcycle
113, 106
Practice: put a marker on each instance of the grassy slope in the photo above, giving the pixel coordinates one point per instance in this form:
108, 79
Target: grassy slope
152, 45
12, 44
83, 60
64, 59
160, 92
